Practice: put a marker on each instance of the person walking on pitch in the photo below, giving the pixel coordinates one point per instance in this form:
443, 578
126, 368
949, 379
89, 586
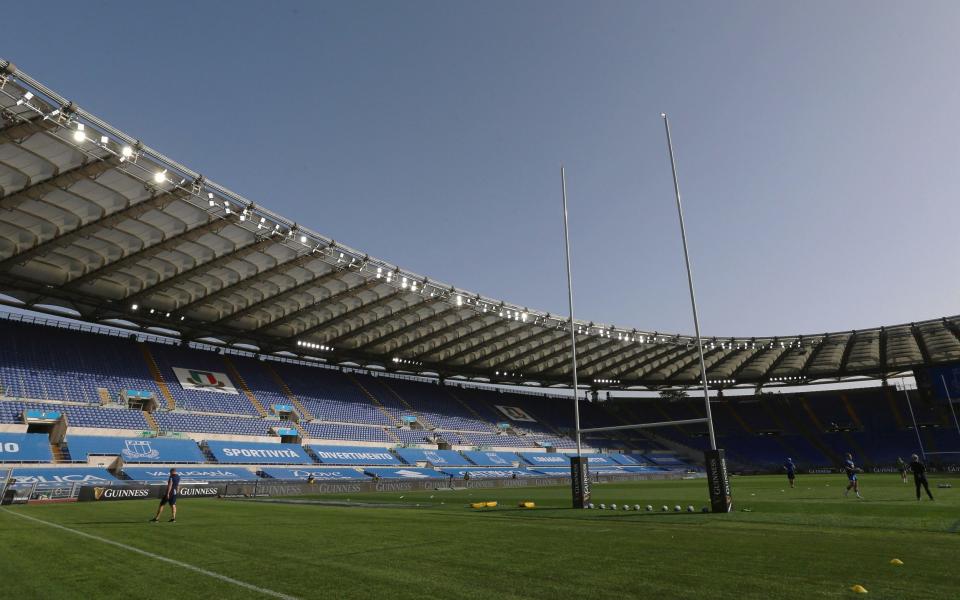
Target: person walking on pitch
902, 467
169, 497
791, 471
919, 476
851, 470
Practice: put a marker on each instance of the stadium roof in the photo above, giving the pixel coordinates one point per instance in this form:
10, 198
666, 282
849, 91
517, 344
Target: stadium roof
94, 221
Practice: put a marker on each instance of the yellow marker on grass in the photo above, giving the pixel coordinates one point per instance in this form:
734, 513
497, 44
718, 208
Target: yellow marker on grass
858, 589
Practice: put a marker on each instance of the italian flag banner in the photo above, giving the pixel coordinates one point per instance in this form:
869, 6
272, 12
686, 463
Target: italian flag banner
209, 381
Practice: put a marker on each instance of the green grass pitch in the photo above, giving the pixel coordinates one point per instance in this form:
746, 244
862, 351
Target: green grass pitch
809, 542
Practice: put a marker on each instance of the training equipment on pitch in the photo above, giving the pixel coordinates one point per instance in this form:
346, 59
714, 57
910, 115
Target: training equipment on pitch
705, 509
590, 505
896, 562
603, 507
665, 508
690, 508
613, 507
649, 507
858, 589
677, 508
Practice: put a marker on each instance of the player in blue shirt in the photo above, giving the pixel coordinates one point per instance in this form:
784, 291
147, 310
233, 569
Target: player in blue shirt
791, 471
169, 497
851, 470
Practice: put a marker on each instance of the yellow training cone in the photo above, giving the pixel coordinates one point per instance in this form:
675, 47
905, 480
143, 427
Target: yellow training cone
492, 504
478, 505
527, 505
896, 561
859, 589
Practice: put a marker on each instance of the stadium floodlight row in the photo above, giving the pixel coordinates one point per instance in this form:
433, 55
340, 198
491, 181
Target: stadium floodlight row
94, 221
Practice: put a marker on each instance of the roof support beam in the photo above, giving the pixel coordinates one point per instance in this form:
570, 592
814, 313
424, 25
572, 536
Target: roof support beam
387, 337
211, 225
845, 358
277, 269
631, 365
418, 341
349, 313
522, 341
90, 169
18, 128
563, 368
130, 211
776, 363
883, 354
692, 357
271, 299
238, 253
754, 354
482, 343
465, 338
921, 343
805, 370
559, 336
379, 321
613, 343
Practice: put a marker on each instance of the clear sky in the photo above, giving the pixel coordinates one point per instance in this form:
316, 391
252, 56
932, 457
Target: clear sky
818, 142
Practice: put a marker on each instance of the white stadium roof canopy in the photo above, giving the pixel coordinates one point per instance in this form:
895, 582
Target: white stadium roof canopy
94, 221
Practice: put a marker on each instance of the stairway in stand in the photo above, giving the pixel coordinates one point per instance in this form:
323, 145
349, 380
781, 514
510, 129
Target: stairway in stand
152, 422
288, 393
233, 372
157, 376
406, 405
372, 398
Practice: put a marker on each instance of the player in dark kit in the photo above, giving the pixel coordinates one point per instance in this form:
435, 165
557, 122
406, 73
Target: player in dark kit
791, 471
169, 497
919, 475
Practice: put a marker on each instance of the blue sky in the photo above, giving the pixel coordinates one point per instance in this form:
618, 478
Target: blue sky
817, 142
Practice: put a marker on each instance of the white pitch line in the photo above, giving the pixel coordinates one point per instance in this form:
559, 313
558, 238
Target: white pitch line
237, 582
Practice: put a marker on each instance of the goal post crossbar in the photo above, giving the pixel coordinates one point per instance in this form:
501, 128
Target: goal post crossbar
645, 425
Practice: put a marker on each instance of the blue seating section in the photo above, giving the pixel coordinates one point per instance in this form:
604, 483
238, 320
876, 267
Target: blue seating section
330, 395
63, 476
354, 455
404, 473
183, 421
437, 458
258, 453
78, 416
304, 473
189, 474
337, 431
135, 450
24, 447
34, 364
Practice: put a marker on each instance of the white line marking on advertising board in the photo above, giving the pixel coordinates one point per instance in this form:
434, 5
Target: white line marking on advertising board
237, 582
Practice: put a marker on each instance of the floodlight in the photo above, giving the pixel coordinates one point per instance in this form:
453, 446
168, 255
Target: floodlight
303, 239
104, 140
160, 176
79, 135
126, 151
134, 307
